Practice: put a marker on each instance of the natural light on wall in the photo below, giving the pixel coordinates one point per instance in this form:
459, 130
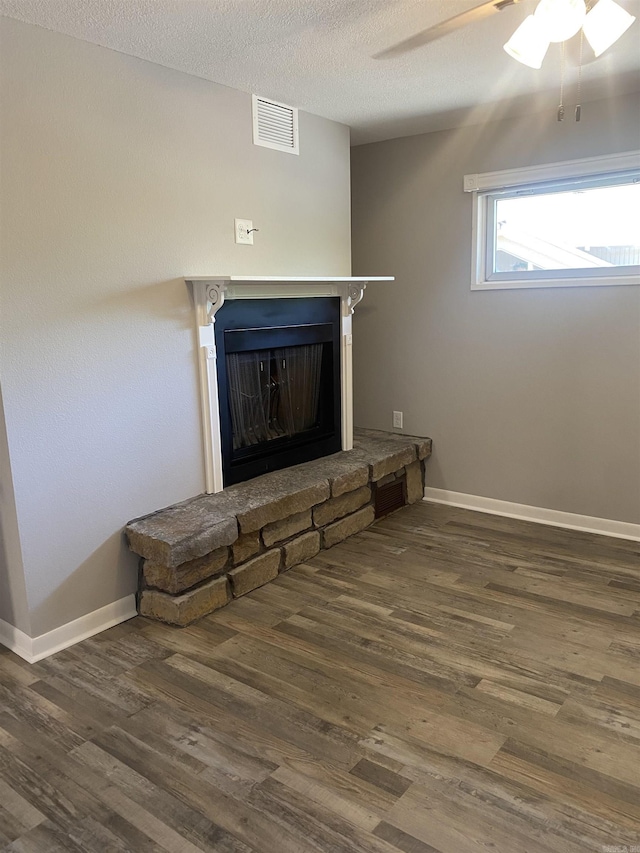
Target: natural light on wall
559, 20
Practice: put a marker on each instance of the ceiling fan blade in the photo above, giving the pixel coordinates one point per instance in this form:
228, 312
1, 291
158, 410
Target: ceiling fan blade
484, 10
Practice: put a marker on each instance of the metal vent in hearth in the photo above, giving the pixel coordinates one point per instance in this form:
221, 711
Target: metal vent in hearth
389, 497
275, 125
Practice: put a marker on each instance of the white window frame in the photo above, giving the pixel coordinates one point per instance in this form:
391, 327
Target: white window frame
486, 186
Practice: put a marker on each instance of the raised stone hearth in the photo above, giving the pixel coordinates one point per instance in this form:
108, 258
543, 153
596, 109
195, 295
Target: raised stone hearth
201, 553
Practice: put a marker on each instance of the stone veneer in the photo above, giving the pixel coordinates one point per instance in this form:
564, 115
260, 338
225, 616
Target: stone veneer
199, 554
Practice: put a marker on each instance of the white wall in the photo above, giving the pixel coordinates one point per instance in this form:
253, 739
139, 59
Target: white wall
118, 178
530, 396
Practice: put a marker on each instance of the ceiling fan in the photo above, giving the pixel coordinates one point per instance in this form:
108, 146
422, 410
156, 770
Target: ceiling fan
602, 23
471, 16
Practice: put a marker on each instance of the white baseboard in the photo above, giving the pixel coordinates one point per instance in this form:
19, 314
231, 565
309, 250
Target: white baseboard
540, 515
16, 640
33, 649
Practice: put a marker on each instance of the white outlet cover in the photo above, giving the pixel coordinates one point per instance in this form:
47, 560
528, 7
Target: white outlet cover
243, 231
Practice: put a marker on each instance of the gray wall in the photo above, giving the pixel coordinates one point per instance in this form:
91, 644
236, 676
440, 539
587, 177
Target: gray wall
530, 396
120, 177
13, 594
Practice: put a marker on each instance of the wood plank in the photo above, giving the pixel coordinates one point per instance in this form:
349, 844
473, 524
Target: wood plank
402, 841
381, 777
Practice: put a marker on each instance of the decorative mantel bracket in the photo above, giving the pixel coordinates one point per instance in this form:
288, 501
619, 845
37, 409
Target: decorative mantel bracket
209, 294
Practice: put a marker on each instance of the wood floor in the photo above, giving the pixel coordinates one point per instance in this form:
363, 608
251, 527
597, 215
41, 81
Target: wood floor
444, 681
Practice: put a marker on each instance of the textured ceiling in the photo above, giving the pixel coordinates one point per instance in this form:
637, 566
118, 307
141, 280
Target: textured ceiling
316, 54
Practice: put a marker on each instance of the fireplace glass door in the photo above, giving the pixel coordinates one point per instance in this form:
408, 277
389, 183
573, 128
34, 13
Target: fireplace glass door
279, 384
273, 394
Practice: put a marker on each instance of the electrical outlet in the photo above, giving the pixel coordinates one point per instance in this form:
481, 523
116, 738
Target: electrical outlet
397, 420
244, 231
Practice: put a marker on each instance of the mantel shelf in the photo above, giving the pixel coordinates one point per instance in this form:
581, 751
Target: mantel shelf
252, 279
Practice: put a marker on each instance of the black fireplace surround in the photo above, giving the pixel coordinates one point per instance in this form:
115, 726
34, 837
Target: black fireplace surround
278, 383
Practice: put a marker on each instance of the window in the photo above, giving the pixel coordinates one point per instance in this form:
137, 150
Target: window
574, 223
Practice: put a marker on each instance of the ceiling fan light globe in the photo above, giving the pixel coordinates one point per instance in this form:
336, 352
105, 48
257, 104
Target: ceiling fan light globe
604, 25
528, 44
560, 19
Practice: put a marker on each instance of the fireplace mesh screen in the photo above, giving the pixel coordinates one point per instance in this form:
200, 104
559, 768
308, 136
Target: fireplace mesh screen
273, 393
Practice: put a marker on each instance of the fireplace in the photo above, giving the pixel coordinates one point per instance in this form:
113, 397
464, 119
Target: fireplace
278, 383
275, 370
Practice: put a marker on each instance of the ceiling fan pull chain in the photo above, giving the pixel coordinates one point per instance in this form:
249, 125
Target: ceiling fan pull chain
579, 98
562, 67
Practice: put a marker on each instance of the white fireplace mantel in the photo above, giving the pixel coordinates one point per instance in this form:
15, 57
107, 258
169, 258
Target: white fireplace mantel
210, 293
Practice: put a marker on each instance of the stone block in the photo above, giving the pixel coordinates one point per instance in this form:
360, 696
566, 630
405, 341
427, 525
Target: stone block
335, 533
186, 608
415, 486
303, 548
255, 573
181, 533
391, 463
246, 546
346, 471
283, 507
285, 529
186, 575
372, 440
339, 507
423, 447
390, 478
350, 481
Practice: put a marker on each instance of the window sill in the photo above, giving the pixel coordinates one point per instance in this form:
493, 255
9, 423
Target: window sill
517, 284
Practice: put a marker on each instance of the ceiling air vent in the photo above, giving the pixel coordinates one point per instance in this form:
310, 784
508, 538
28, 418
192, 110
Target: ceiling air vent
275, 125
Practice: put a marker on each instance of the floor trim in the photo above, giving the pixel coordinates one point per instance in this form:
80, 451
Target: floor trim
33, 649
15, 640
540, 515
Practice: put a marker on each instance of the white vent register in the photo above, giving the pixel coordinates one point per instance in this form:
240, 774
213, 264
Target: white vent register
275, 125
